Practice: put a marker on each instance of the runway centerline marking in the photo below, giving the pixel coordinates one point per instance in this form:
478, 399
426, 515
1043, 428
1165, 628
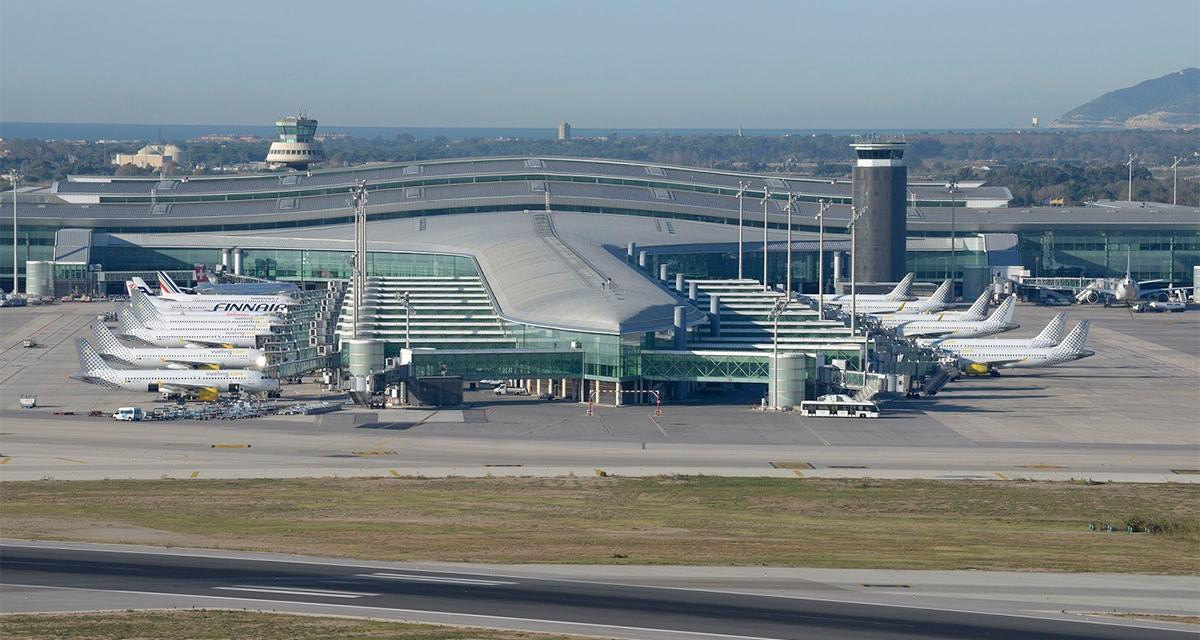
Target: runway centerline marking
297, 591
422, 578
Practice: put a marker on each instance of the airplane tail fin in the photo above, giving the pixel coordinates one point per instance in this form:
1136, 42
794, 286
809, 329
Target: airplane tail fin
106, 342
139, 284
1053, 333
940, 298
1075, 341
978, 310
129, 324
903, 290
1004, 313
167, 284
89, 360
142, 308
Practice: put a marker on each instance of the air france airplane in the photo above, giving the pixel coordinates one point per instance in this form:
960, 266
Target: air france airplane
203, 384
999, 321
110, 348
901, 293
979, 357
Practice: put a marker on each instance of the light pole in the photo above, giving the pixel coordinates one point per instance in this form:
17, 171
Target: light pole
780, 306
766, 201
405, 301
953, 188
790, 206
741, 196
1175, 180
1130, 163
358, 200
855, 214
821, 209
13, 179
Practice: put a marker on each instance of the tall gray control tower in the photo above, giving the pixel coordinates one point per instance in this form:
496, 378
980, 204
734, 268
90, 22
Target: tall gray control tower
880, 190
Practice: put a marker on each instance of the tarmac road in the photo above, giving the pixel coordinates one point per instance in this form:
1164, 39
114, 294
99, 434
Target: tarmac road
91, 575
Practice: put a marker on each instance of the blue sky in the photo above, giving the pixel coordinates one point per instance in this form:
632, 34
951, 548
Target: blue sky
616, 63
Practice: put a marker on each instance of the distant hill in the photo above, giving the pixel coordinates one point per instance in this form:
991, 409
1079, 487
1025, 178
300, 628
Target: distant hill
1169, 102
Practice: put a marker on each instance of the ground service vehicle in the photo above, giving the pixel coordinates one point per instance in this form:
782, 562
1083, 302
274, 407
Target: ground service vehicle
838, 406
127, 414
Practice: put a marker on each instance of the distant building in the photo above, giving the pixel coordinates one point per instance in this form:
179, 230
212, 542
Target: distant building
297, 146
564, 131
152, 156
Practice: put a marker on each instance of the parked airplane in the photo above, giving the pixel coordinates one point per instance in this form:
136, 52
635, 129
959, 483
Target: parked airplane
168, 290
149, 310
1125, 291
203, 384
979, 358
110, 348
1000, 320
1050, 336
901, 292
977, 311
205, 286
939, 301
189, 336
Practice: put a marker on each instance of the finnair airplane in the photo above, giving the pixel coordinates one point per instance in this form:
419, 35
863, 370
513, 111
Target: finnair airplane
939, 301
168, 290
979, 357
976, 312
1051, 335
189, 335
110, 348
148, 311
999, 321
203, 384
901, 292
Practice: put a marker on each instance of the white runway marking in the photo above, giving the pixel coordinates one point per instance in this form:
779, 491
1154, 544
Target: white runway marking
421, 578
298, 591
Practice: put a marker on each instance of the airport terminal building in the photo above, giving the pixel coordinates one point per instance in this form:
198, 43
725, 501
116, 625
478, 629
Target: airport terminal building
635, 265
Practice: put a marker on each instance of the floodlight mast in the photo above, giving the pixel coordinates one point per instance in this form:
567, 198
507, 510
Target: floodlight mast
822, 208
13, 179
777, 309
790, 206
1175, 180
766, 201
855, 214
952, 187
1130, 163
358, 201
741, 196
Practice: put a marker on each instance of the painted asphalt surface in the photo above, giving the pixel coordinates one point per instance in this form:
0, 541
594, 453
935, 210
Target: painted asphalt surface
99, 577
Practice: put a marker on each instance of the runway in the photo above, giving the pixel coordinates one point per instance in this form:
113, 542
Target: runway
37, 575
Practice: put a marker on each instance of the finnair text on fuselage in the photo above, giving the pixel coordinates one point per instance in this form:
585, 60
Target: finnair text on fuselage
259, 307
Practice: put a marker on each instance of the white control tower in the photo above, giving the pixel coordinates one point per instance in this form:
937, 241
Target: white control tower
297, 146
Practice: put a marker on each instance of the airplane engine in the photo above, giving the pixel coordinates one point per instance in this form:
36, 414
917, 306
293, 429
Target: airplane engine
976, 369
1089, 297
207, 394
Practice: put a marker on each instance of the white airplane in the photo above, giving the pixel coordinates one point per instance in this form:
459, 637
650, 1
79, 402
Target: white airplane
979, 357
939, 301
168, 290
901, 292
203, 384
999, 321
110, 348
976, 312
145, 309
1125, 291
1051, 335
178, 335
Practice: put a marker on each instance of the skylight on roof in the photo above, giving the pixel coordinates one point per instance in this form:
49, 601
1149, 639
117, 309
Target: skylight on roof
412, 170
656, 171
534, 163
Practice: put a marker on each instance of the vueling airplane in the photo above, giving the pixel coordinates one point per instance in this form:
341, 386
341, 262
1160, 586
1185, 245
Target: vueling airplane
110, 348
199, 383
1050, 336
977, 311
180, 335
901, 292
999, 321
979, 357
939, 301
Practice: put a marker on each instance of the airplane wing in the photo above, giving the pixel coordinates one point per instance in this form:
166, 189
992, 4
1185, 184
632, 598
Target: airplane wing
211, 344
191, 364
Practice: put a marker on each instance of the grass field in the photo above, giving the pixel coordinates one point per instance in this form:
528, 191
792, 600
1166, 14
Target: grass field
213, 624
903, 524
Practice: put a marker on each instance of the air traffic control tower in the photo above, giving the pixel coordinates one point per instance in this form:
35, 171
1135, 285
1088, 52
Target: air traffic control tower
880, 189
297, 146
